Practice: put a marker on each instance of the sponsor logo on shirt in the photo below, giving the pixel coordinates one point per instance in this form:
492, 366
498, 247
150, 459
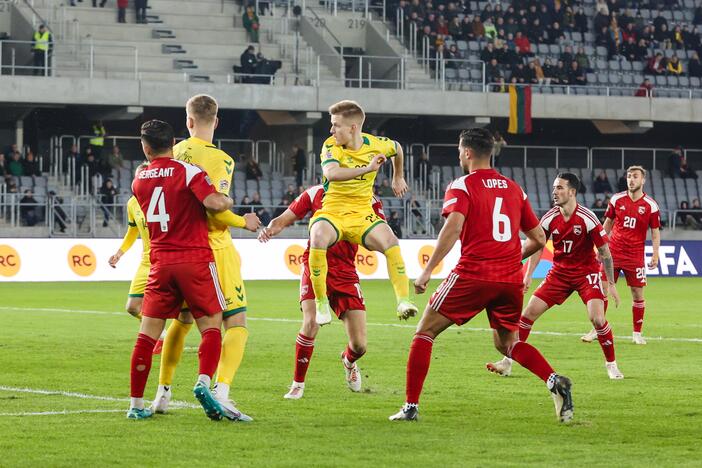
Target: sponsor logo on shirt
223, 185
622, 208
555, 232
577, 230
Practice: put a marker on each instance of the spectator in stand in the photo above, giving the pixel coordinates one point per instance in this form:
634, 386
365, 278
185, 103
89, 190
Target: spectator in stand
560, 74
251, 23
674, 66
509, 57
686, 217
598, 204
490, 30
453, 55
455, 29
93, 169
622, 183
616, 39
656, 65
3, 165
520, 75
576, 75
72, 155
548, 69
499, 86
122, 10
530, 73
417, 217
253, 171
645, 89
60, 217
687, 171
299, 160
290, 192
488, 53
601, 183
244, 205
492, 71
42, 45
698, 15
663, 37
567, 56
395, 224
140, 7
630, 50
583, 60
500, 143
15, 166
697, 215
675, 161
522, 42
248, 63
262, 213
629, 32
422, 169
31, 165
693, 40
442, 27
282, 206
581, 21
97, 140
694, 67
115, 160
601, 7
108, 192
385, 190
477, 28
28, 209
677, 38
11, 184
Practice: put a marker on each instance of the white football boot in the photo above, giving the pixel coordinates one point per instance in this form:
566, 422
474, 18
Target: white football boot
502, 367
589, 337
162, 400
637, 338
613, 371
297, 390
353, 374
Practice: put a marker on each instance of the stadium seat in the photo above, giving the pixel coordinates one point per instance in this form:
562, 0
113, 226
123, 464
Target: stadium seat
694, 82
661, 81
462, 46
601, 51
691, 188
614, 78
625, 65
614, 65
577, 37
638, 66
673, 81
26, 182
627, 79
555, 49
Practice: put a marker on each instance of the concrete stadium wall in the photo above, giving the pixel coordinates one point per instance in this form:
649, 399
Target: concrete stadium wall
31, 90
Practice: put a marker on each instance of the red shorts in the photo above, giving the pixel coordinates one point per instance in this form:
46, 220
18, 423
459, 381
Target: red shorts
343, 295
169, 285
635, 277
557, 286
460, 299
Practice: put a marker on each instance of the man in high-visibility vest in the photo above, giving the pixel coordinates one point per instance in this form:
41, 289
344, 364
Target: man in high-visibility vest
97, 142
41, 48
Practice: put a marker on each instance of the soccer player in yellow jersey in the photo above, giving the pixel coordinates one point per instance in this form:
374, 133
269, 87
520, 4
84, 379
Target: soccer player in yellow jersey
350, 161
201, 121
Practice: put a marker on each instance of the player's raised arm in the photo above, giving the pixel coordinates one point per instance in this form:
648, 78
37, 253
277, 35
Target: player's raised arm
448, 236
276, 225
608, 264
399, 185
333, 172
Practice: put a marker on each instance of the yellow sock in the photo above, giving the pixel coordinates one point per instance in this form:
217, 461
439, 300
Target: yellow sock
396, 270
233, 344
318, 272
172, 350
138, 316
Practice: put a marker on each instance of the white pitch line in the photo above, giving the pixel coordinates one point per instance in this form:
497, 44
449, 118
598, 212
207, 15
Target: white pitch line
61, 413
40, 391
372, 324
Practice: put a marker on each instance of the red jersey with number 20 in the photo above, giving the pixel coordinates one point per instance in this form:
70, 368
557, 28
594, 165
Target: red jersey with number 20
574, 240
632, 219
496, 209
170, 194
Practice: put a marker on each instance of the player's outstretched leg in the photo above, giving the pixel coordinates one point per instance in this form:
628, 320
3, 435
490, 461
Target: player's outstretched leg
173, 346
322, 235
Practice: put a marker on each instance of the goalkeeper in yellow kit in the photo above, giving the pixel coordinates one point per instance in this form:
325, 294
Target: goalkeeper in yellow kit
350, 160
202, 120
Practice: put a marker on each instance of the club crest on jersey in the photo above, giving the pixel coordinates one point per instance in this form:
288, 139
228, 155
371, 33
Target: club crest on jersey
329, 155
642, 210
223, 185
577, 230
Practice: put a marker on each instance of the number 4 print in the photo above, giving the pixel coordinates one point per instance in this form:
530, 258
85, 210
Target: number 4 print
158, 201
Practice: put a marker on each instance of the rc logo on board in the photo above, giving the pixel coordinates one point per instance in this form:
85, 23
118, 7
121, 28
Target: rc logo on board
9, 261
293, 258
82, 260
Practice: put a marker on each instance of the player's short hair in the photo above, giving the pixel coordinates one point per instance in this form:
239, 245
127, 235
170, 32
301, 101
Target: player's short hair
572, 179
637, 168
348, 109
480, 140
158, 135
202, 108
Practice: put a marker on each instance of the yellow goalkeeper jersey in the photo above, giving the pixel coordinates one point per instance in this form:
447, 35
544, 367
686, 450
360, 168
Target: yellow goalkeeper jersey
354, 194
136, 219
219, 166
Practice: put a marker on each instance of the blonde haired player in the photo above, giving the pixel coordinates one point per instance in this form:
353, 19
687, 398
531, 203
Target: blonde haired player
201, 122
350, 160
136, 227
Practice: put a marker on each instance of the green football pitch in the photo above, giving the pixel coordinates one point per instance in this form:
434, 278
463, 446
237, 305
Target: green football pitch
64, 381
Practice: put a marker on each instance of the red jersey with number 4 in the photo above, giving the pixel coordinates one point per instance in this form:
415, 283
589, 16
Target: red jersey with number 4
632, 219
342, 255
574, 240
170, 193
496, 209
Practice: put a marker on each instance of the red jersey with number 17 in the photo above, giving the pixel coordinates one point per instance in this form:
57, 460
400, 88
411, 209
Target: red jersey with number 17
574, 240
342, 255
496, 209
170, 193
632, 219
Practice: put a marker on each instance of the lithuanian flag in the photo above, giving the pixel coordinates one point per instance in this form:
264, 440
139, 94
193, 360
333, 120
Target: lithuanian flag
519, 109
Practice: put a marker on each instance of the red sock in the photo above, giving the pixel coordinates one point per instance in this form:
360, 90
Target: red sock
351, 355
530, 358
606, 339
606, 304
524, 328
304, 346
141, 364
638, 314
209, 351
418, 366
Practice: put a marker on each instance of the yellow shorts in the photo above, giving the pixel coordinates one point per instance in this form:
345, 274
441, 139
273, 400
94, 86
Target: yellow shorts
351, 226
136, 289
228, 264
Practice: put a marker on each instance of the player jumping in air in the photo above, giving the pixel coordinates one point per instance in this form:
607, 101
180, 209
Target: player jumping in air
629, 216
575, 231
350, 161
486, 211
172, 194
201, 121
343, 291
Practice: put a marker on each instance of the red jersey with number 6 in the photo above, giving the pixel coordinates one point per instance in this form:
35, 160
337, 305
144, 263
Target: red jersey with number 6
632, 219
574, 240
496, 209
170, 193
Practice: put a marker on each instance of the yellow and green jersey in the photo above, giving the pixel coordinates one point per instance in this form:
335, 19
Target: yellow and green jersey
219, 166
355, 193
136, 219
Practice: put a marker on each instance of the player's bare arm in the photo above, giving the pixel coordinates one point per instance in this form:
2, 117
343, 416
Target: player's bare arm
276, 225
536, 240
399, 185
608, 224
448, 236
608, 263
217, 202
115, 258
333, 172
656, 241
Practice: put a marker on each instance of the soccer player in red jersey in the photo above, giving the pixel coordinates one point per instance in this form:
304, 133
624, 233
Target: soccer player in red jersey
171, 194
343, 291
575, 232
629, 216
486, 211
